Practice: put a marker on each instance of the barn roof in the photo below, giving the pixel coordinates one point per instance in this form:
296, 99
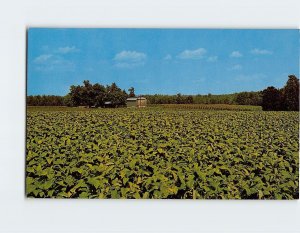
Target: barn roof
131, 99
135, 98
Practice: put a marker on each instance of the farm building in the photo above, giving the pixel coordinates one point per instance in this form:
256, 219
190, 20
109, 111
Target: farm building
136, 102
108, 104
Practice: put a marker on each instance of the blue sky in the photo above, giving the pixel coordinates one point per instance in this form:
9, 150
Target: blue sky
162, 61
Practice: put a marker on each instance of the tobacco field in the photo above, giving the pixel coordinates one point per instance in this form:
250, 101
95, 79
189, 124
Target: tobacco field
162, 153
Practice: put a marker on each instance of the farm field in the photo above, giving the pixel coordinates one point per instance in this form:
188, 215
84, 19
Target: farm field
162, 152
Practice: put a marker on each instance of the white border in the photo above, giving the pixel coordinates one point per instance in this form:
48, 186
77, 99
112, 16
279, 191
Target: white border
20, 215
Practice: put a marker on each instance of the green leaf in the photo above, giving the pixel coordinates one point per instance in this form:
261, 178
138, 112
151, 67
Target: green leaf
137, 196
260, 194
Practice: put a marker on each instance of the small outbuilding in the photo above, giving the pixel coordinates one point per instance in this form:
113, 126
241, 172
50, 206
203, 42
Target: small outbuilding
109, 104
136, 102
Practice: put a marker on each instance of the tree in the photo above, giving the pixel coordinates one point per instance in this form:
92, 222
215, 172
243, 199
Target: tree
113, 87
290, 94
115, 95
131, 92
241, 98
271, 99
95, 95
68, 100
179, 99
248, 98
99, 93
87, 94
286, 98
76, 95
189, 99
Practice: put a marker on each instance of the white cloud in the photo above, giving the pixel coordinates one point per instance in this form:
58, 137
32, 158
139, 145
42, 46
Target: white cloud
212, 59
168, 57
42, 58
261, 51
236, 67
192, 54
129, 59
47, 62
236, 54
133, 56
67, 49
55, 60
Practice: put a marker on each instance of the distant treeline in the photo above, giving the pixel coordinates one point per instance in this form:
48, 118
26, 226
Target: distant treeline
46, 100
97, 95
242, 98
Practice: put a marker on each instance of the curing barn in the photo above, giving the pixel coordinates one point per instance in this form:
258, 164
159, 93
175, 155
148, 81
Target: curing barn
136, 102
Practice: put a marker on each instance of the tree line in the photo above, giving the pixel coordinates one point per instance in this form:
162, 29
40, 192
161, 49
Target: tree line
97, 95
242, 98
78, 97
46, 100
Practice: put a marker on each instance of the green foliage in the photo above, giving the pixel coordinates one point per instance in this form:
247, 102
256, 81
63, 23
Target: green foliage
45, 100
271, 99
285, 99
242, 98
131, 92
96, 95
189, 99
291, 94
162, 153
249, 98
